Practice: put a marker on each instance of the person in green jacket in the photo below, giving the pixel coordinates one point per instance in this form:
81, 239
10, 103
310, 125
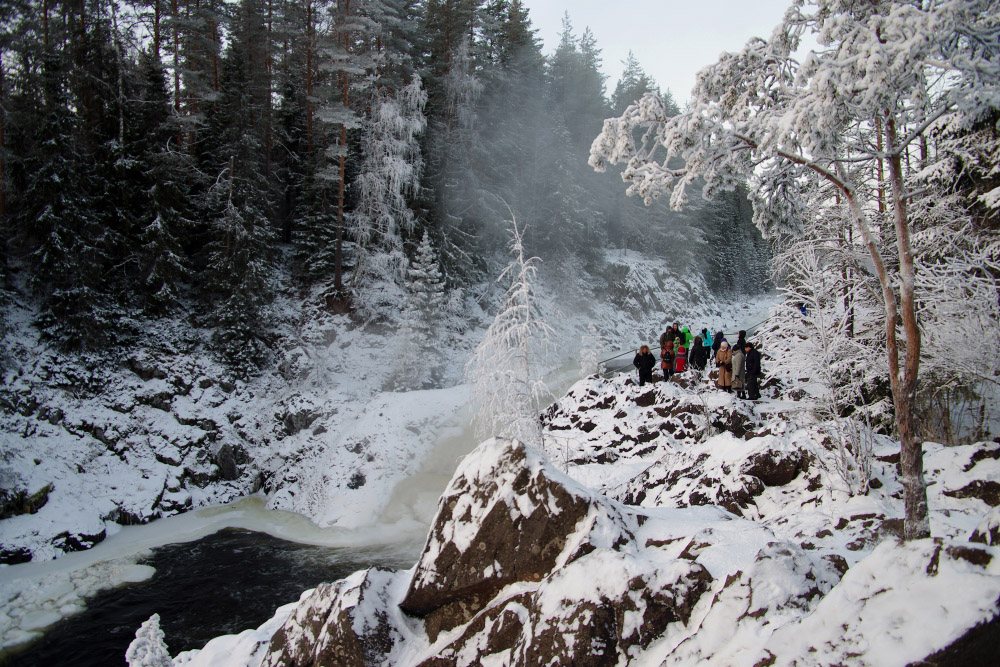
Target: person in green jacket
688, 338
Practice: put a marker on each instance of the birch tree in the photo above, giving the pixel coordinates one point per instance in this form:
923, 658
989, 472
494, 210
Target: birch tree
505, 368
758, 114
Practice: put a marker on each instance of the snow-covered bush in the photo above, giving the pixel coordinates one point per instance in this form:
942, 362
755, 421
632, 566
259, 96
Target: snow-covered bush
148, 648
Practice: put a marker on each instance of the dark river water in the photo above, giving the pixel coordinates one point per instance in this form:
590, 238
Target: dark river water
222, 584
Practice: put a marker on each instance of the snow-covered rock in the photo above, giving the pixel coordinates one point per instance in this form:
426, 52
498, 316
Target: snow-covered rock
521, 562
702, 546
506, 517
351, 622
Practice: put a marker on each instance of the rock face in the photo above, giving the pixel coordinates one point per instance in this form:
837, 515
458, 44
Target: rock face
350, 622
685, 478
568, 622
988, 530
521, 563
505, 519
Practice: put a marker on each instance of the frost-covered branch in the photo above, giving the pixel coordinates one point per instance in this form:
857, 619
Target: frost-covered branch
505, 368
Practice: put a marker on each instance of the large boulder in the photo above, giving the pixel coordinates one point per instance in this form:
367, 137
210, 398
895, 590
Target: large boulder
348, 623
520, 562
506, 517
625, 605
874, 615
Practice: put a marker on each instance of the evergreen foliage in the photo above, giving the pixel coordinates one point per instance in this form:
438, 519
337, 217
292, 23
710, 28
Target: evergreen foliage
506, 368
419, 332
165, 165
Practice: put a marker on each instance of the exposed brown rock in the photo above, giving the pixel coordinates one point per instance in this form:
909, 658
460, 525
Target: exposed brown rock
587, 629
988, 530
774, 467
988, 492
321, 632
504, 520
978, 646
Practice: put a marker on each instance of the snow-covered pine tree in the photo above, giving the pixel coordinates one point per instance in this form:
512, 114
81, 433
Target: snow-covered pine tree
820, 345
165, 212
425, 288
239, 272
55, 225
389, 177
506, 367
419, 329
149, 649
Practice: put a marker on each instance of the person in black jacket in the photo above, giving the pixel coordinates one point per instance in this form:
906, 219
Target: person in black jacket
741, 341
753, 371
717, 342
699, 354
644, 362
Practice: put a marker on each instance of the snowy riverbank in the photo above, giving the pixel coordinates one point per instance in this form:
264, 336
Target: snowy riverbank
164, 431
692, 528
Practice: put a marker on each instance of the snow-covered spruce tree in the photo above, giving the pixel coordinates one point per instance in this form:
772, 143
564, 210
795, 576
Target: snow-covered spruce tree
757, 115
149, 649
505, 368
589, 352
424, 300
389, 177
55, 226
238, 276
167, 179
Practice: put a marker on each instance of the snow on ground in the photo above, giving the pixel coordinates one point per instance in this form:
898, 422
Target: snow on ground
164, 429
802, 572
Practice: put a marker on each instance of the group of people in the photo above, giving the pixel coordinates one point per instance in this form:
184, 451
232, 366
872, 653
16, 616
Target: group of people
739, 366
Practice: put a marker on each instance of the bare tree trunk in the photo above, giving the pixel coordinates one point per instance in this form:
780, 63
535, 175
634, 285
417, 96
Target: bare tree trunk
881, 166
3, 188
267, 102
345, 81
916, 523
177, 66
156, 30
309, 47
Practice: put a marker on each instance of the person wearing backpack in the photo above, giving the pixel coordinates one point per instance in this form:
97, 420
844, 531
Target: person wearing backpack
667, 360
699, 354
680, 358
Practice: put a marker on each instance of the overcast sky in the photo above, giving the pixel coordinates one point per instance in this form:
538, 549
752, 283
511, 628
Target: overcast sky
672, 39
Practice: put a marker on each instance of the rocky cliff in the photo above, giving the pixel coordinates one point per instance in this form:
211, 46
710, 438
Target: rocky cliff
680, 527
